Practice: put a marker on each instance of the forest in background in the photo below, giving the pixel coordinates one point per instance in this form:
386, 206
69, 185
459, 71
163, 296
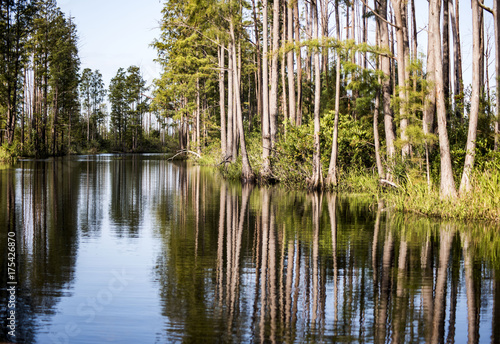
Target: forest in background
49, 105
310, 93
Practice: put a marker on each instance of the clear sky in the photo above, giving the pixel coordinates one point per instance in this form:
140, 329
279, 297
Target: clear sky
116, 33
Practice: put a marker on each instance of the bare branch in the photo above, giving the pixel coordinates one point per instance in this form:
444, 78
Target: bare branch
379, 16
485, 7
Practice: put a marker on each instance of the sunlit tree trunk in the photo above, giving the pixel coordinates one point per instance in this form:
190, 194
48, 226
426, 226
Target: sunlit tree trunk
198, 147
266, 134
447, 188
230, 112
331, 179
497, 69
299, 62
446, 55
222, 101
290, 65
399, 7
258, 72
386, 87
273, 95
246, 169
470, 147
317, 177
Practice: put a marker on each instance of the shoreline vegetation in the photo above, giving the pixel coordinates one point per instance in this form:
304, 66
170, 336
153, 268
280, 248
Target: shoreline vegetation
410, 193
315, 95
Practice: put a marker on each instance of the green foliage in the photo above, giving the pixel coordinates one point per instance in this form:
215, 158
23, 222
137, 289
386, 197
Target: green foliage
10, 153
355, 137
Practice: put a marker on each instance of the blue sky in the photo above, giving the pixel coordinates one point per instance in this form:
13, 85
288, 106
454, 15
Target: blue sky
116, 33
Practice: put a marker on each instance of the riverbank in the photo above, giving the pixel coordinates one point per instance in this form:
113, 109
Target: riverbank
412, 194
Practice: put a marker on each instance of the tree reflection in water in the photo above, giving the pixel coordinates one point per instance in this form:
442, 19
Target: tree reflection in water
239, 264
289, 267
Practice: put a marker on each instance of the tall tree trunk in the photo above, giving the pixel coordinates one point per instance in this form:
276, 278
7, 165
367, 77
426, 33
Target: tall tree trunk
317, 177
324, 34
273, 96
331, 179
222, 102
230, 112
446, 55
266, 135
470, 148
497, 69
457, 51
284, 56
430, 99
365, 34
386, 87
290, 68
246, 169
258, 79
309, 35
380, 168
399, 7
447, 183
299, 62
198, 148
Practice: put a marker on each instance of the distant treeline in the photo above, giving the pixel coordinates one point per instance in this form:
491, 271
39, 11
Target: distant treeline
48, 106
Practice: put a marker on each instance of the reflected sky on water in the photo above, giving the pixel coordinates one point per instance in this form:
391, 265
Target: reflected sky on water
128, 248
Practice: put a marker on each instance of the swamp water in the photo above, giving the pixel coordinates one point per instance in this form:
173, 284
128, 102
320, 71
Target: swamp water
135, 249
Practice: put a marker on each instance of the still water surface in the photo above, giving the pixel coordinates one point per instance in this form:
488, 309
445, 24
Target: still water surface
135, 249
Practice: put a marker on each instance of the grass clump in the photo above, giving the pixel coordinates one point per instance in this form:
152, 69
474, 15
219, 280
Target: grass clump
481, 203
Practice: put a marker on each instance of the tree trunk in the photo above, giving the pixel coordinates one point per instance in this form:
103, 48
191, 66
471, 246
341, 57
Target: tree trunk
266, 135
198, 148
446, 55
246, 169
258, 79
317, 177
284, 56
331, 179
430, 99
273, 96
497, 69
222, 102
291, 76
324, 34
458, 64
299, 63
400, 16
230, 117
386, 87
447, 183
380, 168
465, 184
